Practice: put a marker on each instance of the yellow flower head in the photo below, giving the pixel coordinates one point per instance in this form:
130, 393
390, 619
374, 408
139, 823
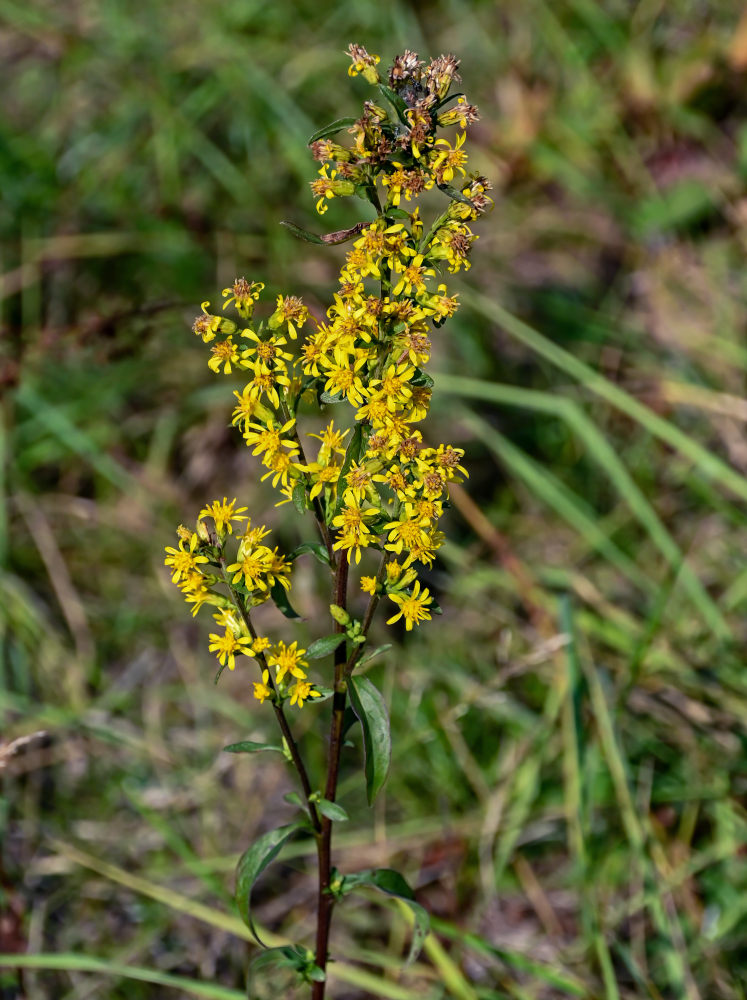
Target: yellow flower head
289, 311
183, 561
262, 690
362, 62
287, 660
206, 325
226, 647
224, 514
329, 186
413, 607
301, 691
226, 353
332, 441
260, 644
243, 294
252, 567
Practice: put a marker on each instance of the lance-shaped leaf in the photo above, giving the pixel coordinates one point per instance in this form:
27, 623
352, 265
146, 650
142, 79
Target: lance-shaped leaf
396, 102
393, 884
249, 746
332, 129
251, 865
317, 549
331, 397
396, 213
369, 706
303, 234
332, 810
324, 646
299, 497
421, 378
454, 194
326, 239
294, 799
280, 597
444, 101
367, 657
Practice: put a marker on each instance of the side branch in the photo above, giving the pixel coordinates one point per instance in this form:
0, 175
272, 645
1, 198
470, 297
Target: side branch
277, 706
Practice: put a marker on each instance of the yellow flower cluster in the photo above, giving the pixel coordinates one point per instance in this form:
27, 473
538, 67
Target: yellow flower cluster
383, 487
375, 484
256, 570
249, 580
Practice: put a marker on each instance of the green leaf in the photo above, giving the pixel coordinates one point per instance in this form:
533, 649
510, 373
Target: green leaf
386, 879
251, 865
367, 657
317, 549
249, 746
294, 799
445, 100
422, 378
303, 234
393, 884
280, 597
289, 956
352, 454
306, 382
369, 706
349, 720
396, 102
299, 497
332, 811
324, 646
396, 213
454, 194
330, 397
332, 129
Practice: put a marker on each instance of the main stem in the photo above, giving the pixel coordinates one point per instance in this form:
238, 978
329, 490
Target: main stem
325, 900
343, 668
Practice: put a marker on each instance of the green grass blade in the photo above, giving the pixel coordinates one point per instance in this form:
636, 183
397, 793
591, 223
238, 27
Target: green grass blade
549, 489
709, 464
65, 962
604, 455
224, 921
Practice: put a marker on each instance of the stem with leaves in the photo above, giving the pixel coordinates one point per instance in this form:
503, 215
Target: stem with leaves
388, 492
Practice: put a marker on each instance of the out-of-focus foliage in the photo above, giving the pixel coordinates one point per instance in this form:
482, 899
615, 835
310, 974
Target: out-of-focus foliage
570, 784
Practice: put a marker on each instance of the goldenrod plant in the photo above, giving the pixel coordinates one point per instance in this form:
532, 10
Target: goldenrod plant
374, 485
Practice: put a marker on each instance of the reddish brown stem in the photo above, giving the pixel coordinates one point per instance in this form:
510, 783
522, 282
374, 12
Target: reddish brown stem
325, 900
277, 705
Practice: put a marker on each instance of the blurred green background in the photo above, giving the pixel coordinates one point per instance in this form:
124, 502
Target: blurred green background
569, 779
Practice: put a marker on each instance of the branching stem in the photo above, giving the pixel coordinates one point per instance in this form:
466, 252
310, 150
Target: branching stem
318, 512
277, 705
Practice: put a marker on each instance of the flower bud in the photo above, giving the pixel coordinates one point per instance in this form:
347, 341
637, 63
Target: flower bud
339, 614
